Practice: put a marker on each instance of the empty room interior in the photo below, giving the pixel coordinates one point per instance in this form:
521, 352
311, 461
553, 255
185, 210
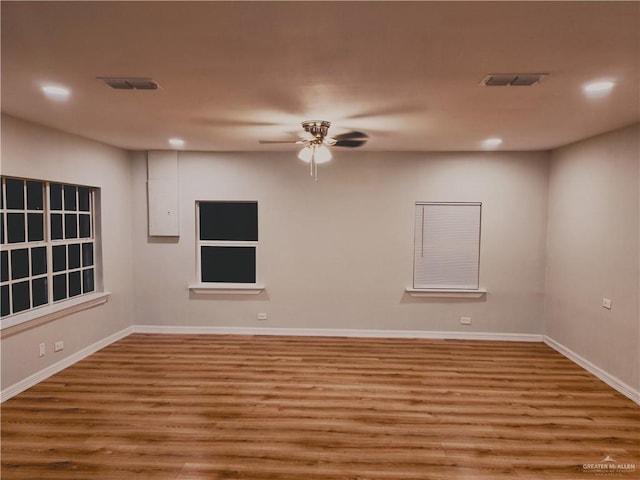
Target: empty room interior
320, 240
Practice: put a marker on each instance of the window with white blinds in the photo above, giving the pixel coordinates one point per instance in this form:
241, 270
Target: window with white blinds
447, 246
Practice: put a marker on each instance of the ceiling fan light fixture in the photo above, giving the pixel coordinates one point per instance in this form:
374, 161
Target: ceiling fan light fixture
318, 153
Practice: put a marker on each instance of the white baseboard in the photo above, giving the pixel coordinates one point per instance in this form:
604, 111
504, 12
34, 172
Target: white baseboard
338, 332
38, 377
607, 378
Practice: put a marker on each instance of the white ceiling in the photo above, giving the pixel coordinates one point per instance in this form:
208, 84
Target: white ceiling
407, 73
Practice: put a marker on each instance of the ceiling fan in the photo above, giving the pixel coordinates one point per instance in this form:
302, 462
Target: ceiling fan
315, 147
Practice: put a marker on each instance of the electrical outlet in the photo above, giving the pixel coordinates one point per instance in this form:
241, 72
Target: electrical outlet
58, 346
606, 303
43, 350
465, 320
262, 316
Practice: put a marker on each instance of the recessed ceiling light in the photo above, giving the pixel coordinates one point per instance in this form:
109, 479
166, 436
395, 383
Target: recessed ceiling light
492, 142
55, 92
598, 88
176, 142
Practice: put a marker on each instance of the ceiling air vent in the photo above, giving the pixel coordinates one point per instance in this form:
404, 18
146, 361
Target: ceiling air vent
512, 79
131, 83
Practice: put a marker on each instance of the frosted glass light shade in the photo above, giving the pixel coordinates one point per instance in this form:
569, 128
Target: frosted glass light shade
305, 154
322, 154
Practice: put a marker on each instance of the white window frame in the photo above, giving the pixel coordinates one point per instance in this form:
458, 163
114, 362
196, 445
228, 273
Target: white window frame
454, 277
70, 304
200, 287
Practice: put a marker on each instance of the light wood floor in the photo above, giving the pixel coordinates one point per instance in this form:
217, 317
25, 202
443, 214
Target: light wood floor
187, 407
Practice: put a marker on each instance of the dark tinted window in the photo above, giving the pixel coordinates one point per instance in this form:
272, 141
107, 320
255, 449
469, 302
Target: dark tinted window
59, 258
75, 284
35, 195
15, 194
15, 227
39, 292
4, 266
228, 264
38, 261
35, 224
70, 197
229, 221
60, 286
21, 296
19, 263
87, 280
73, 256
84, 196
70, 225
85, 226
87, 254
56, 226
55, 196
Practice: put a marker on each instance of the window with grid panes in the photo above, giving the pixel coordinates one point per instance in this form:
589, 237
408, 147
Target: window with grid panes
48, 243
227, 242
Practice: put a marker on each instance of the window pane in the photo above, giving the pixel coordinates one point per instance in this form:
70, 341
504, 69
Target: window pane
74, 256
59, 287
4, 300
35, 222
2, 240
19, 263
34, 195
70, 225
228, 264
70, 197
4, 266
75, 285
38, 261
39, 292
56, 226
59, 258
85, 226
55, 196
15, 227
15, 194
87, 280
87, 254
21, 297
229, 221
84, 196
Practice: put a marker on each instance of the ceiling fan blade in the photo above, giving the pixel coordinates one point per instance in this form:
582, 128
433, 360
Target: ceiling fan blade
351, 136
350, 143
299, 142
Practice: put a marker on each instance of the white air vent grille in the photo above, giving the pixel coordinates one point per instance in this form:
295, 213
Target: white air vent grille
512, 79
129, 83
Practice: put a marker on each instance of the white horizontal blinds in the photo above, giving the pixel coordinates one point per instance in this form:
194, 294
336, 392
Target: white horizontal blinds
447, 245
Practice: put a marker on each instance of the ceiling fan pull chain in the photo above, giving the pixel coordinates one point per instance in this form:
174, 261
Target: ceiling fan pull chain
314, 165
313, 156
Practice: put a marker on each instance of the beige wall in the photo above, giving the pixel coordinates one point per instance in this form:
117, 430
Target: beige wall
593, 251
32, 151
338, 253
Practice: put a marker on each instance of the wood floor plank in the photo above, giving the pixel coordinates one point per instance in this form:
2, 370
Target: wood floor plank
186, 407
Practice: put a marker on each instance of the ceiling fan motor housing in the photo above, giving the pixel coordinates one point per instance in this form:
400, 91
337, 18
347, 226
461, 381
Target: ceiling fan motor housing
317, 128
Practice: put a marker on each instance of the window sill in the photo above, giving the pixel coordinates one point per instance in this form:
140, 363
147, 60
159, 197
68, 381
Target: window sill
226, 288
445, 293
42, 315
